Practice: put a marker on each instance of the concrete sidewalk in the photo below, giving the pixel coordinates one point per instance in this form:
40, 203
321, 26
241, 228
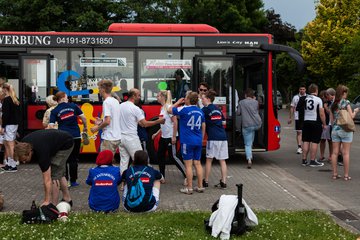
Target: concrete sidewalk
266, 187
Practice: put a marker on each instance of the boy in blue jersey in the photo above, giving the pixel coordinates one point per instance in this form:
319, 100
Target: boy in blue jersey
104, 180
217, 145
192, 130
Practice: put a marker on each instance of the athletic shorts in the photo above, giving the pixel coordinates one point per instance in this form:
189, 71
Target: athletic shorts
10, 132
326, 133
191, 152
340, 135
58, 163
312, 131
299, 124
217, 149
111, 145
155, 193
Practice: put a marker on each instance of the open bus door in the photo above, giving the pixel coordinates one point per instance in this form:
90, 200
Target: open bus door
34, 82
229, 76
218, 72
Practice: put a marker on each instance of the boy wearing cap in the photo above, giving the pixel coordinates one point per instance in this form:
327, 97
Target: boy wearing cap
104, 180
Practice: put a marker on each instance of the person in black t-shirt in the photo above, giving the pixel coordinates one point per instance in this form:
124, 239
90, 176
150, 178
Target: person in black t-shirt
51, 148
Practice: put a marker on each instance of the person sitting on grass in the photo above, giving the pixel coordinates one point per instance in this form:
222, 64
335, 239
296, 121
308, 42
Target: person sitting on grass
104, 180
150, 179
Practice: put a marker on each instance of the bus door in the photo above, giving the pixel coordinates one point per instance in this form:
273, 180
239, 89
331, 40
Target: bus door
251, 72
34, 82
218, 72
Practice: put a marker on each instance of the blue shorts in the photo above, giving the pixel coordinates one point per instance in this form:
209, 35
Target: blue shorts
191, 152
340, 135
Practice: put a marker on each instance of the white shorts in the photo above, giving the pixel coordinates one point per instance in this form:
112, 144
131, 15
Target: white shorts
10, 132
217, 149
1, 139
155, 193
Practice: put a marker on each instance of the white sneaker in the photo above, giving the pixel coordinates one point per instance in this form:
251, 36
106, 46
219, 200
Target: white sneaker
299, 150
17, 163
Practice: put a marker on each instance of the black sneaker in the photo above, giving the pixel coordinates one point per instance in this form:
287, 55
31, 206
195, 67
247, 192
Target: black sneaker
305, 162
7, 168
221, 184
205, 183
314, 163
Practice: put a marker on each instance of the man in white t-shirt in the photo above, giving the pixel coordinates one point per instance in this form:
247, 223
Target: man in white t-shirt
110, 124
130, 116
299, 118
314, 123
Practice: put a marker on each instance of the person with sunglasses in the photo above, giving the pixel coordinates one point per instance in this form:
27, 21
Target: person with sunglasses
202, 89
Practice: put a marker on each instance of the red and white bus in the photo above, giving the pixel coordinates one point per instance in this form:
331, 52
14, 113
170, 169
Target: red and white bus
144, 56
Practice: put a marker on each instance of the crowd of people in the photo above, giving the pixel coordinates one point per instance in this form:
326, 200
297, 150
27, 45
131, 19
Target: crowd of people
187, 122
316, 122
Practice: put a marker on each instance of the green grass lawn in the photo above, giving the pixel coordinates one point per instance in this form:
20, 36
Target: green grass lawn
172, 225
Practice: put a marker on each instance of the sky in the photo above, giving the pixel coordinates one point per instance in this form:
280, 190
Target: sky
296, 12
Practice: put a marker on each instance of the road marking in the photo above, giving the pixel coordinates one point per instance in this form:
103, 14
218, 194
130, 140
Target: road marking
280, 186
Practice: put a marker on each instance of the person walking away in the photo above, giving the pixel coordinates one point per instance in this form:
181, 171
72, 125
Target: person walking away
104, 180
192, 131
150, 179
297, 112
248, 110
130, 116
51, 104
217, 145
339, 136
314, 123
66, 115
110, 124
168, 132
51, 149
10, 122
326, 133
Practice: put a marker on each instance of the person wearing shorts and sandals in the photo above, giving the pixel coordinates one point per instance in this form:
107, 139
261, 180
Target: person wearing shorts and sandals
192, 131
110, 125
150, 179
297, 117
341, 138
314, 123
217, 145
10, 122
51, 149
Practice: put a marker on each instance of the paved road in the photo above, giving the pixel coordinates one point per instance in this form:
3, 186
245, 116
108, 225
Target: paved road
277, 181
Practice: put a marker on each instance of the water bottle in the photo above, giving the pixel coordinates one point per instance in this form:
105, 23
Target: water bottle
33, 205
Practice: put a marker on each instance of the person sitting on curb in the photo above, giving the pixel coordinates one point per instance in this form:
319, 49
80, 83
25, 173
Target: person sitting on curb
104, 180
150, 179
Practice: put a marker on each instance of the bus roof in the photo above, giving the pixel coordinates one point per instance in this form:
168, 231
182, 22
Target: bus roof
160, 28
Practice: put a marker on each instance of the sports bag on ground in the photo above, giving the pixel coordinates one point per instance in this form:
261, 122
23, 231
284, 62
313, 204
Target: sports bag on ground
43, 214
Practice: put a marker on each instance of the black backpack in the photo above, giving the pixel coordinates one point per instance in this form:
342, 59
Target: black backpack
300, 107
43, 214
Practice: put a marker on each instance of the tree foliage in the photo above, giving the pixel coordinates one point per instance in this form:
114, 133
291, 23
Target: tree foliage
283, 32
335, 25
225, 15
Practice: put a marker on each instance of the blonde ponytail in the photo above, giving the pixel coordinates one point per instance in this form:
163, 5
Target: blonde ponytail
11, 93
